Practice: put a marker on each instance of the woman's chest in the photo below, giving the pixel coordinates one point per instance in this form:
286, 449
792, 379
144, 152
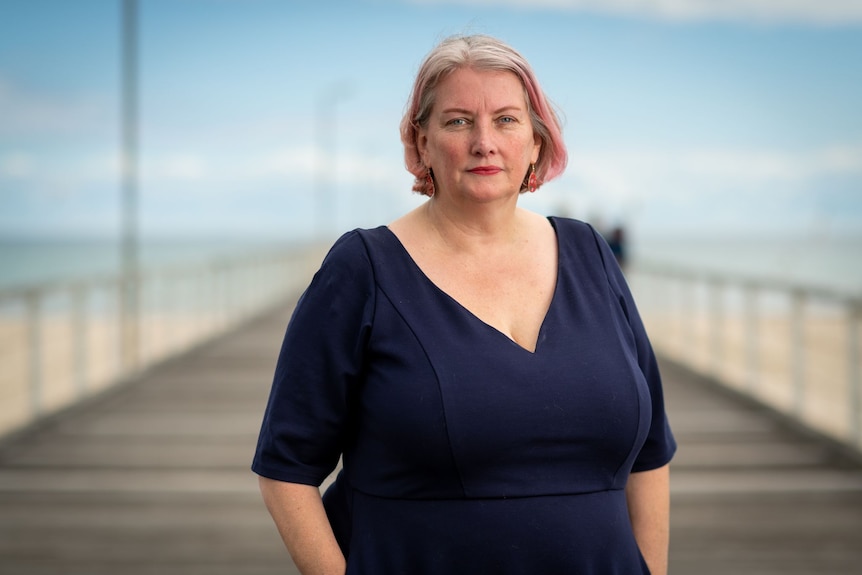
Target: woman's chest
510, 294
445, 391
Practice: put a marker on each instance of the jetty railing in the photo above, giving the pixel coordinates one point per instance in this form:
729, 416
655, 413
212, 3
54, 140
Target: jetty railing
62, 342
794, 348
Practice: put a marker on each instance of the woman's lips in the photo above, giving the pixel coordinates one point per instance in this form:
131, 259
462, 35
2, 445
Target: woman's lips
486, 170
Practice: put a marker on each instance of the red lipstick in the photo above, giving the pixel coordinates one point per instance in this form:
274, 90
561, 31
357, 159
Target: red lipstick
486, 170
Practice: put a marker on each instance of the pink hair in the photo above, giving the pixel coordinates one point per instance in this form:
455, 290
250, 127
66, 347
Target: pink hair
479, 52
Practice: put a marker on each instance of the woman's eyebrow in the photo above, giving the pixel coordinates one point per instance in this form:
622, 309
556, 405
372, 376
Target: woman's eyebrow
507, 108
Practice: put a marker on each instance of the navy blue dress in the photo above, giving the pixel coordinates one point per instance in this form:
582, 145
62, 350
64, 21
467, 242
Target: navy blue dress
462, 451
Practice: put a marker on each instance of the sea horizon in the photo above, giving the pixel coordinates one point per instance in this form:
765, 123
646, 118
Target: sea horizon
825, 260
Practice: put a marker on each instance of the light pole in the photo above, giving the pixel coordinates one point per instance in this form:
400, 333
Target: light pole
129, 289
326, 168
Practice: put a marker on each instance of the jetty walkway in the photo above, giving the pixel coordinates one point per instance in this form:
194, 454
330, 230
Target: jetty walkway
153, 477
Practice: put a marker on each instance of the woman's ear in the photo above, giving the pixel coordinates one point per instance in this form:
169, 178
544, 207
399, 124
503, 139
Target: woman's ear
422, 145
537, 148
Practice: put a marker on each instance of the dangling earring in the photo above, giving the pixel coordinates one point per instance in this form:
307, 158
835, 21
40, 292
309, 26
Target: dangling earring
429, 183
532, 181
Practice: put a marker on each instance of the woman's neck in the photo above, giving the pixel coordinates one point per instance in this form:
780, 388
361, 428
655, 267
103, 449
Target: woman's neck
470, 228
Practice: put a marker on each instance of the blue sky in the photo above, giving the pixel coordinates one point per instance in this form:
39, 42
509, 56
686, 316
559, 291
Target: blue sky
681, 117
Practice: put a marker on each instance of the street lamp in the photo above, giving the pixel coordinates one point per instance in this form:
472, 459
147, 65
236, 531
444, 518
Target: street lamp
129, 296
326, 169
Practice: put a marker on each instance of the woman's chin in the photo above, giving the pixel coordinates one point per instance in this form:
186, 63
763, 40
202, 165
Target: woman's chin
488, 193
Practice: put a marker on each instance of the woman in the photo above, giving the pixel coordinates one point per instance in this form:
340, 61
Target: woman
481, 369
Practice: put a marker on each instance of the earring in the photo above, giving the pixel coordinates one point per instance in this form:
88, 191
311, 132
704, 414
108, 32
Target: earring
533, 181
429, 183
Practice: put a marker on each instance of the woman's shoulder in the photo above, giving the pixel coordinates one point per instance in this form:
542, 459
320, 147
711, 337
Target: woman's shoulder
572, 226
356, 243
359, 252
581, 238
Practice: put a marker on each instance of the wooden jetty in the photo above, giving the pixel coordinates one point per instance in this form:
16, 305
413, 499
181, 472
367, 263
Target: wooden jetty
153, 478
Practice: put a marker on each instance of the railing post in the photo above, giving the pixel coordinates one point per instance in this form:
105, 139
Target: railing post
145, 331
687, 318
93, 314
34, 336
854, 380
79, 337
716, 299
797, 351
679, 340
220, 297
752, 336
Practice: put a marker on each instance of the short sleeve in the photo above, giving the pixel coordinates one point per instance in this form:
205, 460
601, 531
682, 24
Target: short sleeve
660, 444
319, 368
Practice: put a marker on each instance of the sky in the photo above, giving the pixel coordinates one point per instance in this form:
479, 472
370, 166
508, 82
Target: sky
279, 119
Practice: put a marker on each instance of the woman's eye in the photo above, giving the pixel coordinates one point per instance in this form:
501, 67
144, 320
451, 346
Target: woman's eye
507, 120
457, 122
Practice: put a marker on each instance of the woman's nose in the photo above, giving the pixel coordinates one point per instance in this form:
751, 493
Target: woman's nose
483, 139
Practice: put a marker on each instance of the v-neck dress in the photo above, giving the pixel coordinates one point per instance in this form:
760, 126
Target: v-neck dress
462, 451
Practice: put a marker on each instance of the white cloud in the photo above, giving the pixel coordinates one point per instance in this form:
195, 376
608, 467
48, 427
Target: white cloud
16, 166
692, 184
699, 185
217, 172
182, 167
52, 176
627, 174
769, 166
771, 11
298, 163
31, 113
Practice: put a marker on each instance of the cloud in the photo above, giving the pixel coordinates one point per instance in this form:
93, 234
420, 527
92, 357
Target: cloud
771, 166
16, 166
674, 187
222, 172
691, 187
29, 113
38, 177
767, 11
627, 174
181, 167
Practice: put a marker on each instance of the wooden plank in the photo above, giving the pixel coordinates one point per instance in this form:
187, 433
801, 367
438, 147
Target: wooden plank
153, 478
751, 495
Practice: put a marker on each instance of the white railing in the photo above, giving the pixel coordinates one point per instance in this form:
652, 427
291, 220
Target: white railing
792, 347
63, 342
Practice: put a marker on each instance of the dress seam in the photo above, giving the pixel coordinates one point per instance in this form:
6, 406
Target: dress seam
615, 297
488, 497
382, 234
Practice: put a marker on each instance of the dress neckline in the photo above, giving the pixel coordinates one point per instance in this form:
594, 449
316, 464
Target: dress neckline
554, 297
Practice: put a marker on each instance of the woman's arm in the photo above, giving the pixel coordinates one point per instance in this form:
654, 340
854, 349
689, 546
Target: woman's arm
648, 498
301, 520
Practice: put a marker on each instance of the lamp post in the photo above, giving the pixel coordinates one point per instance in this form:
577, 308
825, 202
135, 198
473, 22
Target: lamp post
326, 168
129, 289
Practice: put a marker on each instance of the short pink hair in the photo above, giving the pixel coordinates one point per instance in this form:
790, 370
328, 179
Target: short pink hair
479, 52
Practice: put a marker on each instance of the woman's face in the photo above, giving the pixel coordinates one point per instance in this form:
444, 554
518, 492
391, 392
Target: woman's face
479, 140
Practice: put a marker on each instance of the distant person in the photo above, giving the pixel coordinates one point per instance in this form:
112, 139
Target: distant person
481, 369
617, 242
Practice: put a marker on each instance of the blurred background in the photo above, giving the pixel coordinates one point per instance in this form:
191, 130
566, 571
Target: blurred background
722, 142
171, 169
725, 135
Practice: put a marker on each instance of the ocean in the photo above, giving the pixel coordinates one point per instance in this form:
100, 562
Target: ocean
26, 263
826, 262
831, 263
